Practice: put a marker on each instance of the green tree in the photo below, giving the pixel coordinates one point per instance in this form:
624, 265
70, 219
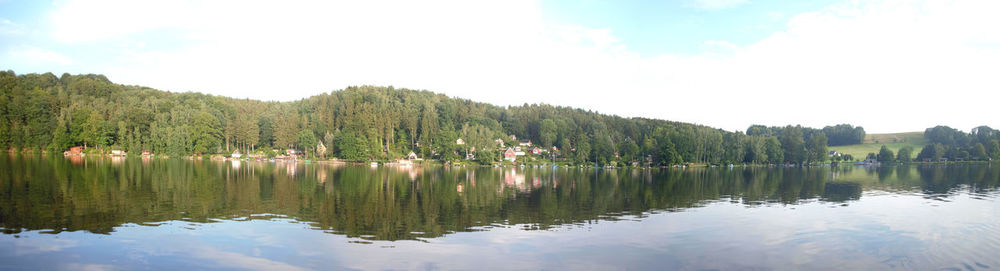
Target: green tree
60, 137
905, 154
629, 150
775, 153
885, 155
266, 131
85, 128
351, 145
793, 144
205, 133
994, 149
547, 132
668, 154
978, 152
306, 140
582, 149
931, 152
816, 148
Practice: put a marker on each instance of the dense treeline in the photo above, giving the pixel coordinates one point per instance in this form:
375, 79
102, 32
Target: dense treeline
983, 143
46, 112
837, 135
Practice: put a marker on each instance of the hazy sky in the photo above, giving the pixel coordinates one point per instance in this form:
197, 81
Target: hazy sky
890, 66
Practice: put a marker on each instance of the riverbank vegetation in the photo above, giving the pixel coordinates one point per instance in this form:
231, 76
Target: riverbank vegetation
367, 123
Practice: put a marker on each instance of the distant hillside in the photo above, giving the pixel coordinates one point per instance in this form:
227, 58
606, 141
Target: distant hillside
365, 123
873, 142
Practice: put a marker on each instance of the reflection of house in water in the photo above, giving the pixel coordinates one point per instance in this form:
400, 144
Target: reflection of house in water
514, 179
75, 159
412, 172
236, 164
321, 173
470, 175
289, 167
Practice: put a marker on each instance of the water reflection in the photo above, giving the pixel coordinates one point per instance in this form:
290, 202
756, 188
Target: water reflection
412, 202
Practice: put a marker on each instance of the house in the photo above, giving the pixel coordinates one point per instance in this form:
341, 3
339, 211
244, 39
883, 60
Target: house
517, 148
292, 152
459, 142
74, 151
411, 156
499, 141
526, 143
237, 154
513, 138
536, 151
117, 153
509, 155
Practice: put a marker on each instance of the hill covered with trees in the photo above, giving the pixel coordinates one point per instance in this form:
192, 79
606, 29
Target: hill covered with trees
48, 112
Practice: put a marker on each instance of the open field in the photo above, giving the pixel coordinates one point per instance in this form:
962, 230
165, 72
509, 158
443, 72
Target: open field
894, 142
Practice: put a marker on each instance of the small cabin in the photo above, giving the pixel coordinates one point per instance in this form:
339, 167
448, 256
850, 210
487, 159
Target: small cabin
411, 156
74, 151
459, 142
237, 154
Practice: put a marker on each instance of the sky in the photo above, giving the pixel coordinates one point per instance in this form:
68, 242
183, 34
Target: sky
886, 65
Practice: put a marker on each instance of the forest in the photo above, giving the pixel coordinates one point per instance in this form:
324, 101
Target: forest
46, 112
946, 143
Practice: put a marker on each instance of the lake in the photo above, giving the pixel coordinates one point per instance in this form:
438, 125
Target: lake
109, 214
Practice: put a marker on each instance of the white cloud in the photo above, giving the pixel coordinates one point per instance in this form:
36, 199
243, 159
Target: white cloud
715, 4
32, 54
886, 65
10, 28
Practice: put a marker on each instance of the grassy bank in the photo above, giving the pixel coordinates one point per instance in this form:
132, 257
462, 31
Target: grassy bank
873, 142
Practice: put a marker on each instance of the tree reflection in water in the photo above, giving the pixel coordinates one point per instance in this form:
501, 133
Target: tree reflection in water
411, 202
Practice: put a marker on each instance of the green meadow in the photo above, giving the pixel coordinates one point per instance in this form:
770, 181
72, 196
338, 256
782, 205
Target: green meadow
873, 142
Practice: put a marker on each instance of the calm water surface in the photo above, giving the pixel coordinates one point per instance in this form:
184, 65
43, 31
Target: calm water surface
104, 214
